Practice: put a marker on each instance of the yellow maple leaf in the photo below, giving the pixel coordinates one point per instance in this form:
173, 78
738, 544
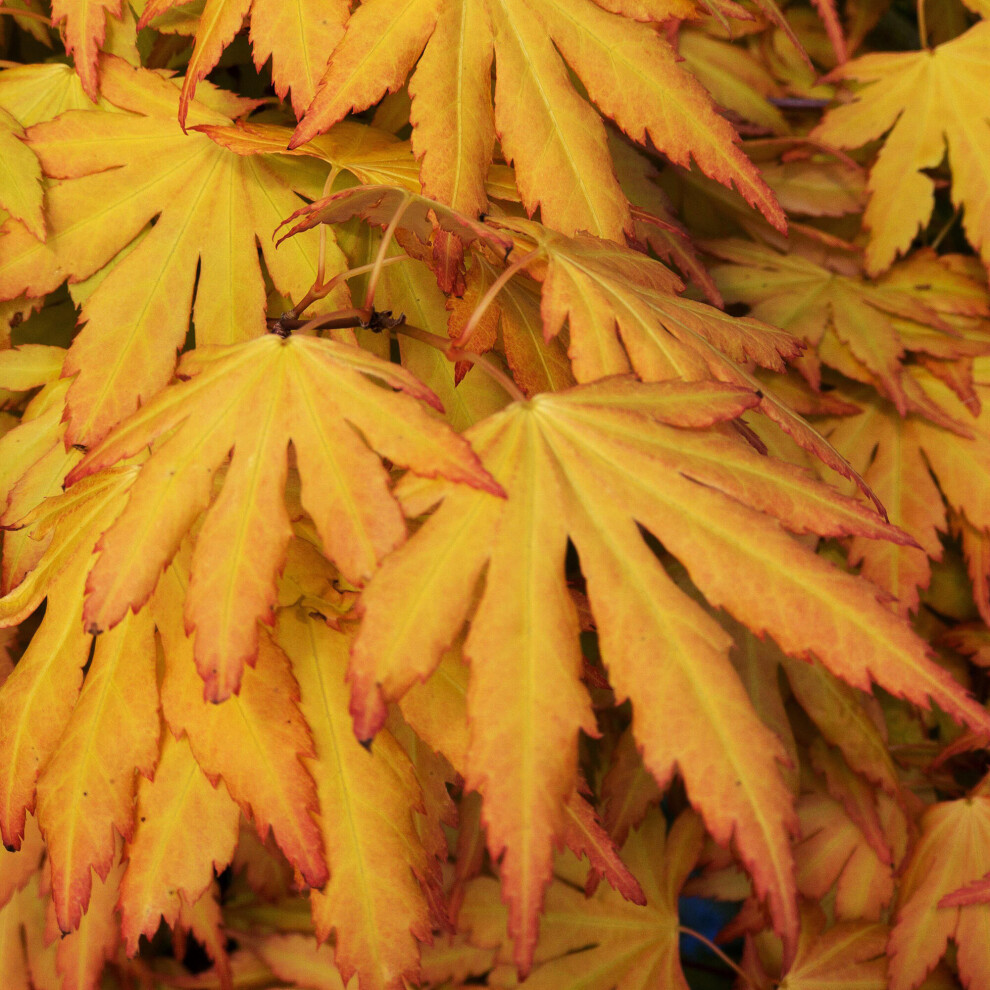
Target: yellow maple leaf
589, 464
374, 899
36, 700
296, 35
830, 303
953, 851
927, 100
212, 210
601, 941
628, 70
185, 828
253, 741
256, 398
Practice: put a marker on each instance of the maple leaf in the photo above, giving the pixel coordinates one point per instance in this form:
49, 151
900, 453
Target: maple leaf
186, 828
952, 852
20, 177
296, 36
925, 100
833, 853
603, 940
37, 699
86, 789
586, 463
253, 741
847, 955
899, 457
120, 171
565, 170
621, 310
256, 398
374, 900
827, 303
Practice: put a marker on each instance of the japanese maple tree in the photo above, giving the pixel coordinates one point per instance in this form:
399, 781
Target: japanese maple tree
485, 483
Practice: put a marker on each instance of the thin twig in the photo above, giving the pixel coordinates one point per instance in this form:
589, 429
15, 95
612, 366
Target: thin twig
922, 24
454, 354
493, 290
704, 940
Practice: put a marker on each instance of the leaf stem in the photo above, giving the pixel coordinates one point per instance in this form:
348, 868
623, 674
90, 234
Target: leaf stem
30, 14
453, 353
704, 940
493, 290
369, 297
319, 290
922, 24
322, 258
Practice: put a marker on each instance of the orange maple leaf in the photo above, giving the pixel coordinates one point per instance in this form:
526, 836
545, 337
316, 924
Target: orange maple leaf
256, 398
588, 464
622, 944
628, 70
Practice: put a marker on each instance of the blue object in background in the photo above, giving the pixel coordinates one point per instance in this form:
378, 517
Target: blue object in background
708, 917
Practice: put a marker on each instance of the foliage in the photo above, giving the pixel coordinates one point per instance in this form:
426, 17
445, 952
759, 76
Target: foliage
479, 477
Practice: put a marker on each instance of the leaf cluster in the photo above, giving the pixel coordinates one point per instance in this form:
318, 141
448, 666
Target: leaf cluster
480, 477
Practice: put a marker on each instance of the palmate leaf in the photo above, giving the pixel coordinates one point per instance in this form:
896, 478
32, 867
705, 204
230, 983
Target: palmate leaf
559, 145
927, 100
622, 310
953, 851
211, 208
185, 828
256, 398
830, 304
916, 467
589, 464
37, 699
296, 35
603, 941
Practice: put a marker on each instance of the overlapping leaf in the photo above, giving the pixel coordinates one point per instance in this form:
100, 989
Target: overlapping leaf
829, 305
929, 101
954, 850
604, 941
37, 699
211, 210
368, 802
297, 36
253, 741
588, 464
256, 398
186, 827
559, 146
621, 309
